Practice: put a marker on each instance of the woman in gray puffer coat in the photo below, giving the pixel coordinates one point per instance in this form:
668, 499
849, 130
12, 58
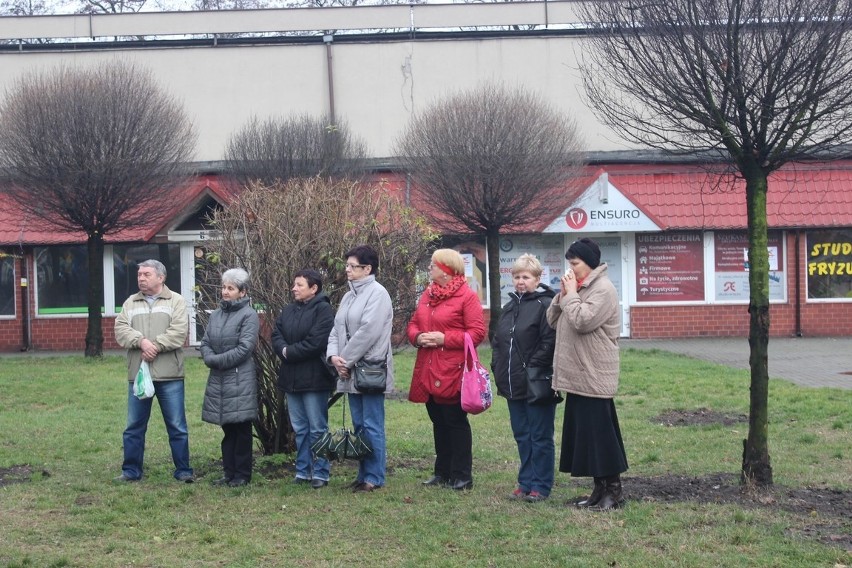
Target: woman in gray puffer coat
230, 399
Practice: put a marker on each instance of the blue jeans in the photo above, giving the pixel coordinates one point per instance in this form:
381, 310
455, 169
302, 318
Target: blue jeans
309, 418
368, 417
532, 425
170, 398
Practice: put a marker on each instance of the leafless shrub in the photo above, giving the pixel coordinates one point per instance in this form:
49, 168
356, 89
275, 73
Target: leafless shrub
273, 231
282, 148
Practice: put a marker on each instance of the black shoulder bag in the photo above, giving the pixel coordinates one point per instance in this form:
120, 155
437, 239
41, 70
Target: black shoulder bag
539, 380
370, 376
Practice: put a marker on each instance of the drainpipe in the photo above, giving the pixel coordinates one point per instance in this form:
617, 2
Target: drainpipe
798, 286
327, 39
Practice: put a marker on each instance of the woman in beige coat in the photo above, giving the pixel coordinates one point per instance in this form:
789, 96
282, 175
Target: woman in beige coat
586, 317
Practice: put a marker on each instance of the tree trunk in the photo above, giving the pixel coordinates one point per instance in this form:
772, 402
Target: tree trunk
94, 330
756, 468
492, 243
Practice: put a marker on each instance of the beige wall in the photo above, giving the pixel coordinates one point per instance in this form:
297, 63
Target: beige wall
377, 86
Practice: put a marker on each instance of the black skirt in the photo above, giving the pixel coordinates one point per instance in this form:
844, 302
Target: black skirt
591, 439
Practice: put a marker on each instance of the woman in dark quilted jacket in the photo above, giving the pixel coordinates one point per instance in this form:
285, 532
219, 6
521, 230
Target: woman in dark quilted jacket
522, 352
230, 399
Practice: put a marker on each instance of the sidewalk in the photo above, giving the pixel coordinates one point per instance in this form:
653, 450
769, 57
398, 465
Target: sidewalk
806, 361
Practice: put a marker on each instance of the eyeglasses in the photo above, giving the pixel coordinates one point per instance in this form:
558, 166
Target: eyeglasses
354, 266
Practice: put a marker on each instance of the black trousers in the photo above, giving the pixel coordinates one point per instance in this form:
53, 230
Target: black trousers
453, 441
236, 450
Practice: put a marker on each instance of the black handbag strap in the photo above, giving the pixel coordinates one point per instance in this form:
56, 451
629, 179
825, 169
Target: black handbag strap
345, 400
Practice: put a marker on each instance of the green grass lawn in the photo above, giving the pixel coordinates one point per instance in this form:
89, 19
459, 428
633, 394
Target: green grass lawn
62, 418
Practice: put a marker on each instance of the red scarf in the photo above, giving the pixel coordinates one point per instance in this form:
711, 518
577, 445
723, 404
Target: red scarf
438, 293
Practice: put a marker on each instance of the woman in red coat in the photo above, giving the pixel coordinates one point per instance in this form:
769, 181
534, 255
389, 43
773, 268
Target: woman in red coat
447, 310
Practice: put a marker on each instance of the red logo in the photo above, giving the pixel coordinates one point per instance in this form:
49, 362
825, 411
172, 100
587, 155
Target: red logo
577, 218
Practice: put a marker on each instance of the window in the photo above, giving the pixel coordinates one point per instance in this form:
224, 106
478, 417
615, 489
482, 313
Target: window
730, 250
670, 267
62, 275
829, 264
7, 284
549, 249
126, 261
473, 252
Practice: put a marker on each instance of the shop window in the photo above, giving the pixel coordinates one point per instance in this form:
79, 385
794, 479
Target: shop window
670, 267
829, 264
62, 276
549, 249
730, 260
7, 285
126, 261
472, 250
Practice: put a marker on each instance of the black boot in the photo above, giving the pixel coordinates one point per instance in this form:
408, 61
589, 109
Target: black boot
612, 496
595, 497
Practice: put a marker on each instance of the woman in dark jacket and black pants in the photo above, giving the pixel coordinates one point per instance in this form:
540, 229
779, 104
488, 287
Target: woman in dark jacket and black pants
524, 339
300, 339
230, 398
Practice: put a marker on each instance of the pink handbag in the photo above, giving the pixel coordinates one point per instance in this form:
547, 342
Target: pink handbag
476, 394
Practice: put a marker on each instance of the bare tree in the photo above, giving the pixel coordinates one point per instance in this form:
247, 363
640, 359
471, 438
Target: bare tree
109, 6
92, 150
231, 4
274, 231
488, 160
289, 147
24, 7
763, 82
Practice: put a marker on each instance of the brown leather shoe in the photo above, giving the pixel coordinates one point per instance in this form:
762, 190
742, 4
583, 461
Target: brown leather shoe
365, 488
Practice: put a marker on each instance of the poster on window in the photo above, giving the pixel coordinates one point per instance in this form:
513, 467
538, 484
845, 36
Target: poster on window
730, 250
549, 249
670, 267
829, 264
472, 250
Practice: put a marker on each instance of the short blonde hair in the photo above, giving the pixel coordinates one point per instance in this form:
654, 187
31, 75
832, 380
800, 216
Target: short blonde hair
527, 263
450, 258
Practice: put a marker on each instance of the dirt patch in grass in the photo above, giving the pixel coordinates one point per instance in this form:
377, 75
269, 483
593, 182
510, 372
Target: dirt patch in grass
15, 474
826, 513
698, 417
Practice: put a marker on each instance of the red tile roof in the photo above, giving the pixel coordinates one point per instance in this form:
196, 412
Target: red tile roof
684, 197
675, 197
17, 228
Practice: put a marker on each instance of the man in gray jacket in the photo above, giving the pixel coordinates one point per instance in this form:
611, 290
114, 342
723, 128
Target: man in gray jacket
152, 326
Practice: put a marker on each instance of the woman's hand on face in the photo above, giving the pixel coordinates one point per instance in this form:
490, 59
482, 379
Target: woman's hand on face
569, 283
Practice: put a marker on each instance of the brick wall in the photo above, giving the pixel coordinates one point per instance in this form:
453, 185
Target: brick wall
817, 319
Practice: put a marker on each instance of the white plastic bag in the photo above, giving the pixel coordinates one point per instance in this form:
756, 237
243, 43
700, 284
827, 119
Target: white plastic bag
143, 386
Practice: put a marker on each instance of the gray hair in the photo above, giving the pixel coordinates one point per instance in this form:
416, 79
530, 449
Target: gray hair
236, 276
156, 265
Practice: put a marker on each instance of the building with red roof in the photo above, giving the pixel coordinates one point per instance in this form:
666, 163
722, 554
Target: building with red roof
673, 236
44, 271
